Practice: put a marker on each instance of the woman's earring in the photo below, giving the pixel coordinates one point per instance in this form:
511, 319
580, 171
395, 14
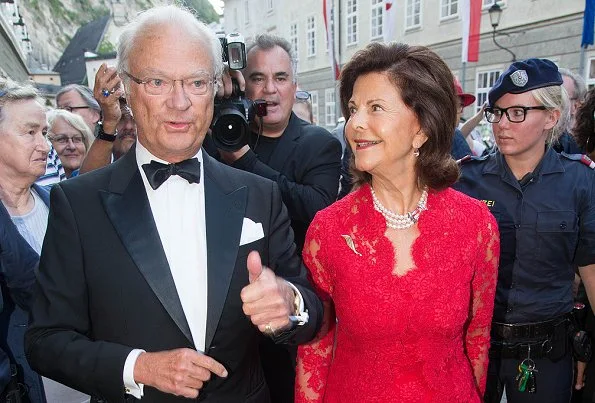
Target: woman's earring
416, 152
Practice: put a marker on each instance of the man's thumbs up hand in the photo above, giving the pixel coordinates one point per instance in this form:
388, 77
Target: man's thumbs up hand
268, 300
255, 267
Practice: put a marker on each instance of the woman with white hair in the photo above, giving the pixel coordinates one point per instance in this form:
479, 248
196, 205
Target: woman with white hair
24, 206
71, 137
543, 202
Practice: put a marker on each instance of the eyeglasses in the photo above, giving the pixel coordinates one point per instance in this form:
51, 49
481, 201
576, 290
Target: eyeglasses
73, 108
63, 140
515, 114
303, 95
198, 85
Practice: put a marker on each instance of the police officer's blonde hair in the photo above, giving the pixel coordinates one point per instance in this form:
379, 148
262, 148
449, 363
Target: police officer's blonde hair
554, 98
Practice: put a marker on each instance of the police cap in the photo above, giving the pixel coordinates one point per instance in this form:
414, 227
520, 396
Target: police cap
525, 76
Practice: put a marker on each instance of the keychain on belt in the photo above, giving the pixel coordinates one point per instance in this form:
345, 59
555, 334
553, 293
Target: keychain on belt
525, 379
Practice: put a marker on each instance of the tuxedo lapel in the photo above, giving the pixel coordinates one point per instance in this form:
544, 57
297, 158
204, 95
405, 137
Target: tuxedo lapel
128, 208
287, 142
224, 211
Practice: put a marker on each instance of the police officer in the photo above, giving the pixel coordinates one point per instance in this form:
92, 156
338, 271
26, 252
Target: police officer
544, 204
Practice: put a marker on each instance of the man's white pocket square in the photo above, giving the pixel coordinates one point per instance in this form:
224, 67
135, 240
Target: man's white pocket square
251, 231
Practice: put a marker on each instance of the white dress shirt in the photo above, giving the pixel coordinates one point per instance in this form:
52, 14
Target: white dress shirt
178, 209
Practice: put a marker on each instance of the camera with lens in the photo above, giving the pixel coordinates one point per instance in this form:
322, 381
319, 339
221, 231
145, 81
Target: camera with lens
232, 117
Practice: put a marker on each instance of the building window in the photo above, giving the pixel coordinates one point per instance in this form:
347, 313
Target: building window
314, 98
311, 35
293, 38
413, 14
351, 22
376, 22
329, 107
449, 8
247, 11
485, 81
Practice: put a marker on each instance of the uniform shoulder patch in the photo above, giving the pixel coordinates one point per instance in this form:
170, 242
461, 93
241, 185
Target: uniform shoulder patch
471, 158
582, 158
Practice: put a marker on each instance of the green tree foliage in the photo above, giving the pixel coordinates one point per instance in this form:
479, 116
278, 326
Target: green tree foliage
202, 8
106, 47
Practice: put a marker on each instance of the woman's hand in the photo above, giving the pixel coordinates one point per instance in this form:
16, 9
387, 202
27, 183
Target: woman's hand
107, 91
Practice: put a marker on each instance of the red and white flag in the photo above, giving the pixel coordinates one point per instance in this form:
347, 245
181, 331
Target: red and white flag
328, 14
471, 17
389, 20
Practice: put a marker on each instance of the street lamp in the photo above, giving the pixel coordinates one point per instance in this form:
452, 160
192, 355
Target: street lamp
495, 13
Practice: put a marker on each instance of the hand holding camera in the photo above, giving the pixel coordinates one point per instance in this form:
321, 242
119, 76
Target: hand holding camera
232, 117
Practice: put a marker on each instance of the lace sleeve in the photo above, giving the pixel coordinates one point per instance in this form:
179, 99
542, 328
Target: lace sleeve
314, 358
477, 338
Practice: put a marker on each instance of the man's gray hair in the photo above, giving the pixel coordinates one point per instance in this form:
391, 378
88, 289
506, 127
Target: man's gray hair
580, 88
268, 41
84, 92
12, 91
174, 16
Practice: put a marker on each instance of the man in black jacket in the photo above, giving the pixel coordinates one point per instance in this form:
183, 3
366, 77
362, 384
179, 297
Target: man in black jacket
160, 271
303, 159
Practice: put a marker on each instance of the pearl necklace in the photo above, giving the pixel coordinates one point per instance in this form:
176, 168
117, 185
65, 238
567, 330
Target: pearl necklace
401, 221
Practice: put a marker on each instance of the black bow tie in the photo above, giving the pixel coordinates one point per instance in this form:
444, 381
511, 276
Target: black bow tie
157, 173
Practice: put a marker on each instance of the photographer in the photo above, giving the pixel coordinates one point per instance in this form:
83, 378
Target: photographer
302, 158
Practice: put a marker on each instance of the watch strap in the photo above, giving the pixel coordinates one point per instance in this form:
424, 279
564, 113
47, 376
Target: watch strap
300, 315
100, 134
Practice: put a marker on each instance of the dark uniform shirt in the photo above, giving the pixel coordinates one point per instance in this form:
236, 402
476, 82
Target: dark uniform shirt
459, 148
547, 227
566, 143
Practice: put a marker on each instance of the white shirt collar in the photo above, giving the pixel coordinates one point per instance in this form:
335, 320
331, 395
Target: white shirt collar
144, 156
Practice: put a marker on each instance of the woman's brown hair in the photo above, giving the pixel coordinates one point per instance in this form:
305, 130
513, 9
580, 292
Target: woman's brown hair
426, 86
584, 126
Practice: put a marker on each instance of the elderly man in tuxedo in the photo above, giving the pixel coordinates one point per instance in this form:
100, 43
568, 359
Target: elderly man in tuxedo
159, 272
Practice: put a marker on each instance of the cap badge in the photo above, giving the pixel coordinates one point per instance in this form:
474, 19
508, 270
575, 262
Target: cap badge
519, 78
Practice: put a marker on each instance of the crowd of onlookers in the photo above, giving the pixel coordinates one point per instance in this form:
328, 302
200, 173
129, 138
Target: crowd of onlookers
406, 276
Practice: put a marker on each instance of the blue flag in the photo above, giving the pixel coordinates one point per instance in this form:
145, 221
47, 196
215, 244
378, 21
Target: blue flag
588, 23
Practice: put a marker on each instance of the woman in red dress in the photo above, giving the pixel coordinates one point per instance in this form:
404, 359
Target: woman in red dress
406, 266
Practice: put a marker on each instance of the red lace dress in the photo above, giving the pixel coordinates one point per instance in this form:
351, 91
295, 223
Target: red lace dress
420, 337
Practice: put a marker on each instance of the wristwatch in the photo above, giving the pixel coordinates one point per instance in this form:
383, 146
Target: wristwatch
300, 316
101, 135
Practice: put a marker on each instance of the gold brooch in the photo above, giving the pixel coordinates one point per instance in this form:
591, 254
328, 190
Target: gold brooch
351, 244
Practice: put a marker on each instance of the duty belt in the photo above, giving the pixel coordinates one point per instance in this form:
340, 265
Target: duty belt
504, 332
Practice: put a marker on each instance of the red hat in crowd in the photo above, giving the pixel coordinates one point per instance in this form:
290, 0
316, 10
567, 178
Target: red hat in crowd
466, 99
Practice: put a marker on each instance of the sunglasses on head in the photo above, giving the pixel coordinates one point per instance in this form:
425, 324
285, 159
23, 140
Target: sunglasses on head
303, 95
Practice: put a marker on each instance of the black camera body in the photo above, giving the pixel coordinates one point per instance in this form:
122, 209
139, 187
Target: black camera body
232, 117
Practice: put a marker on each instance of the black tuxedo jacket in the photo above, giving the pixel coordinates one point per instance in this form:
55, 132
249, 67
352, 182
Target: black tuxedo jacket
105, 286
306, 164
